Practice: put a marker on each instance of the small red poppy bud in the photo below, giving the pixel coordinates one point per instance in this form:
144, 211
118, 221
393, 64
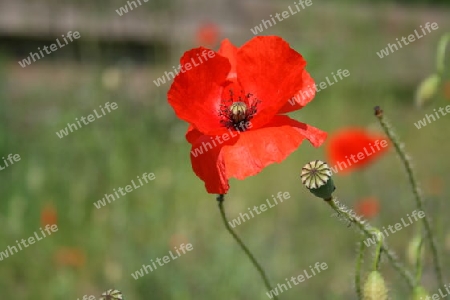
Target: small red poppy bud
316, 176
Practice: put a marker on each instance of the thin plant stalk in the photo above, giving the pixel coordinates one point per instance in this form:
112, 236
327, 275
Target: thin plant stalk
262, 273
417, 196
378, 251
369, 233
358, 270
419, 265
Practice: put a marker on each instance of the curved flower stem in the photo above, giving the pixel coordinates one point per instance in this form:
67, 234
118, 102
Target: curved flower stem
417, 196
378, 251
369, 233
220, 200
358, 270
440, 55
419, 262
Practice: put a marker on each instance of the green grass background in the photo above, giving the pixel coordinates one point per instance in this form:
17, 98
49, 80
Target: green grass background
143, 135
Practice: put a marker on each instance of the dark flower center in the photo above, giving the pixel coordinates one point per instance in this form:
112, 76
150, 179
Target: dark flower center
237, 114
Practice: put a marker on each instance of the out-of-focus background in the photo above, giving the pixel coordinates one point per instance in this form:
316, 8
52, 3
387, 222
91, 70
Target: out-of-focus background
117, 59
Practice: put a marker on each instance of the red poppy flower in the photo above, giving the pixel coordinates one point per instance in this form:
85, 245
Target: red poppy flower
208, 34
353, 148
367, 207
48, 215
233, 102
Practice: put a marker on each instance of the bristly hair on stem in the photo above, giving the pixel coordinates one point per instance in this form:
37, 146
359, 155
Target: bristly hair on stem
359, 262
392, 257
220, 199
415, 189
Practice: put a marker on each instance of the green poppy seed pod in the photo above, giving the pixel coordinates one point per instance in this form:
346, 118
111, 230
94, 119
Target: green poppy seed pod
427, 90
419, 293
238, 111
316, 176
413, 251
374, 287
112, 294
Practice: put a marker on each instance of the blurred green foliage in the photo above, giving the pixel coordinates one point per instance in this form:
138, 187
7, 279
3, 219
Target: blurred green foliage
143, 135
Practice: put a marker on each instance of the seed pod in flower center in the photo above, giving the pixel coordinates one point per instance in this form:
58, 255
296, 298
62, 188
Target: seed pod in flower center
238, 112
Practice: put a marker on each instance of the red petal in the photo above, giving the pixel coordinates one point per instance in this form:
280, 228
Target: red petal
270, 70
208, 163
195, 95
247, 153
257, 149
228, 50
303, 97
192, 134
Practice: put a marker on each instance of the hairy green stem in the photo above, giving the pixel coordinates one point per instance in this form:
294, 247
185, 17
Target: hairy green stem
417, 196
220, 200
419, 262
440, 55
378, 251
358, 270
369, 233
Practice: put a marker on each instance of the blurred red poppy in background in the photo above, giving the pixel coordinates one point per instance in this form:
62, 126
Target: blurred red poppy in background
49, 215
367, 207
70, 256
233, 102
447, 90
207, 34
353, 148
435, 186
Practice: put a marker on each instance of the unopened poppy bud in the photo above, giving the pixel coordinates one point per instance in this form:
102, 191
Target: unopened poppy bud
427, 90
316, 176
374, 287
420, 293
413, 251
